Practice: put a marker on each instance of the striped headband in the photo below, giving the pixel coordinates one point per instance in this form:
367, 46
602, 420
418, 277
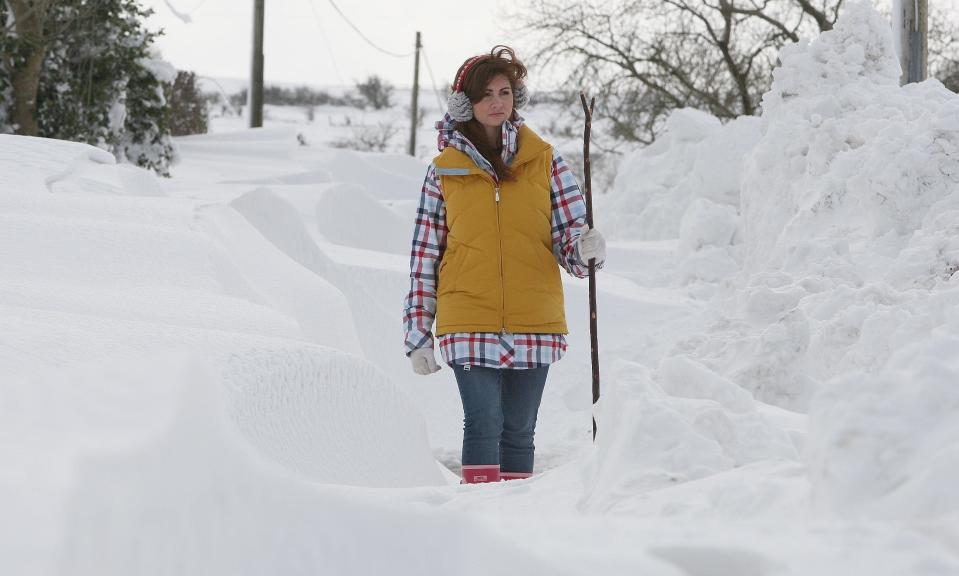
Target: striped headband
464, 70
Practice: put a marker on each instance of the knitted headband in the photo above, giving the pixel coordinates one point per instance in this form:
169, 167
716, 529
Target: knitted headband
459, 106
464, 69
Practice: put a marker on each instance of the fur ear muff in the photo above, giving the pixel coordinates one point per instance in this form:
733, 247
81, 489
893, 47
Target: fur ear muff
459, 107
520, 96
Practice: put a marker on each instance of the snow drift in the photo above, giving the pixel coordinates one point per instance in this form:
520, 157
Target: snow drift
843, 304
134, 323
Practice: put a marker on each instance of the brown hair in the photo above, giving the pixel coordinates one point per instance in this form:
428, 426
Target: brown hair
479, 73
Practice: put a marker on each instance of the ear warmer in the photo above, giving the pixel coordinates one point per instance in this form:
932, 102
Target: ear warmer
459, 106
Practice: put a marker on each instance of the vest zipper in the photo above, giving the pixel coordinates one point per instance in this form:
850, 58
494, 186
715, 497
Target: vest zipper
502, 277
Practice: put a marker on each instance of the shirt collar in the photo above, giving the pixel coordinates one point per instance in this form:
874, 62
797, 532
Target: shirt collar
448, 135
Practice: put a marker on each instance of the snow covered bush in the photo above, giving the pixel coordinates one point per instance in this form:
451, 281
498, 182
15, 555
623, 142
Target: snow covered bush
7, 46
100, 83
188, 106
6, 94
145, 138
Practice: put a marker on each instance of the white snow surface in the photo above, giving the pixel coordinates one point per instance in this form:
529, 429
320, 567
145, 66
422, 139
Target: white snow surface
205, 375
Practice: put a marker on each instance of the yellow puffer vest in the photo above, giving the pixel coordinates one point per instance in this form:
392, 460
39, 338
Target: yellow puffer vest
498, 271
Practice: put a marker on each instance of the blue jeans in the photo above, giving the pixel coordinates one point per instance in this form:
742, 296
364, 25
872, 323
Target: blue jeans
499, 415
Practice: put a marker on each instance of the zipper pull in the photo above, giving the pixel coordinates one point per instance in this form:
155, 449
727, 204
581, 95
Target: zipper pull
497, 194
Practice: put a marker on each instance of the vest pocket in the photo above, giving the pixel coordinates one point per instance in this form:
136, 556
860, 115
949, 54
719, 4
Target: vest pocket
446, 281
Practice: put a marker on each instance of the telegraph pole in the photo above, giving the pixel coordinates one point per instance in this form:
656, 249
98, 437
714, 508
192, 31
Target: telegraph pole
256, 75
414, 107
912, 18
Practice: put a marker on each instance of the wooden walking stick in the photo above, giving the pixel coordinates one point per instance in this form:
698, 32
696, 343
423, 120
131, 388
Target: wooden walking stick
594, 347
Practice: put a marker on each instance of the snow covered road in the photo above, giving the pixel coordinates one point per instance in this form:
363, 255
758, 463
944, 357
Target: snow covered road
205, 375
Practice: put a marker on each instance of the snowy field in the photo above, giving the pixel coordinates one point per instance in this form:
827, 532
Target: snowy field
205, 375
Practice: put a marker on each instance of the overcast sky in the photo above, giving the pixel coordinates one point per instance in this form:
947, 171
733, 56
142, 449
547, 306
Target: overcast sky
306, 41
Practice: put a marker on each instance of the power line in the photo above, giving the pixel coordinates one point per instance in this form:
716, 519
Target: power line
363, 36
326, 42
439, 101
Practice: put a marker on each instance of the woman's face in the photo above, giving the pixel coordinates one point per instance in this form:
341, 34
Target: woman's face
497, 103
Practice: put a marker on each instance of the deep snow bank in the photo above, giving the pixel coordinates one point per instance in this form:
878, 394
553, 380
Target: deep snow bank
697, 160
109, 300
160, 481
850, 215
683, 190
135, 273
328, 416
830, 231
689, 425
847, 156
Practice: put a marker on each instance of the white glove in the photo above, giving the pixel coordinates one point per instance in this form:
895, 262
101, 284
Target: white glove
591, 244
424, 362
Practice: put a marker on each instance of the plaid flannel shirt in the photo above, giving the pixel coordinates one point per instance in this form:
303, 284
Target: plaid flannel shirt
488, 349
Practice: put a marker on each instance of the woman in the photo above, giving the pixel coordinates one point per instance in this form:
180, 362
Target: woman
498, 209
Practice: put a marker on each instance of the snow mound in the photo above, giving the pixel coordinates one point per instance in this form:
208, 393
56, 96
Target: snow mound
386, 177
349, 300
228, 161
887, 444
696, 157
265, 143
86, 252
282, 225
708, 248
652, 436
91, 277
256, 268
849, 204
38, 163
847, 156
330, 417
194, 498
342, 206
55, 419
70, 167
844, 307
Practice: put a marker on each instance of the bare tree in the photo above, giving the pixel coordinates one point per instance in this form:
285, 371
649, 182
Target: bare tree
944, 45
377, 92
648, 57
367, 138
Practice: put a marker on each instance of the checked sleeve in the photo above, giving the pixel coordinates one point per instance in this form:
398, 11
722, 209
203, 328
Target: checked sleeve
568, 218
429, 242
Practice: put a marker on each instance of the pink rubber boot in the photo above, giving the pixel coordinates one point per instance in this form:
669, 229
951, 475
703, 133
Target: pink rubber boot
478, 474
504, 476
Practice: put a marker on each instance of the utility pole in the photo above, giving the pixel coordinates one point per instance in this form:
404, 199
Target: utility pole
912, 20
414, 107
256, 75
